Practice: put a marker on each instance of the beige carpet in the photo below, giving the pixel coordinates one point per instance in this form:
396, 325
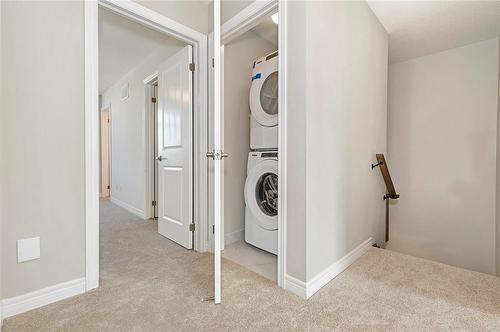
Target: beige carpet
150, 284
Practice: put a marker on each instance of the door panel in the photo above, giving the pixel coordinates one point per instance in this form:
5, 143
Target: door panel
218, 211
172, 113
172, 205
175, 108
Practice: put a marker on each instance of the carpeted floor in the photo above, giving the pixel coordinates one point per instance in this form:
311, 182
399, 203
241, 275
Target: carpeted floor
150, 284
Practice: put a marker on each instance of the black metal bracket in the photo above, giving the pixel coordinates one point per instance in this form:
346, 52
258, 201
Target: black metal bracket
389, 196
377, 164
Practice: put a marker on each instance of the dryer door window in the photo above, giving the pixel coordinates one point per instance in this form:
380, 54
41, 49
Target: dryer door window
269, 94
266, 194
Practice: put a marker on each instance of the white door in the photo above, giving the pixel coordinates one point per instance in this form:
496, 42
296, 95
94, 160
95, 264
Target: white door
217, 154
175, 114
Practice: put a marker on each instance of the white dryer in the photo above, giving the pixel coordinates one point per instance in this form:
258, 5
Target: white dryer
264, 103
261, 200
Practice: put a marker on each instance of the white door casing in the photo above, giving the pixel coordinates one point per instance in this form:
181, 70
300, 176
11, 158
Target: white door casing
175, 176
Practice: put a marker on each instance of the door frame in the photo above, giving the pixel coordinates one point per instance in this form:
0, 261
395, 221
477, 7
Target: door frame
149, 83
106, 109
240, 23
158, 22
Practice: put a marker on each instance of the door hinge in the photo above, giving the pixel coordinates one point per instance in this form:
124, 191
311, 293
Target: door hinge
191, 67
108, 187
213, 63
153, 203
153, 100
108, 120
213, 229
192, 227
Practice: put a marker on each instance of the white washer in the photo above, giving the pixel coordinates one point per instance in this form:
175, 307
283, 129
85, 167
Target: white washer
263, 101
261, 200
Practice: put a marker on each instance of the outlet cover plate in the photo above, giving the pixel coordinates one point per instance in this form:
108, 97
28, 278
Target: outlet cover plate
28, 249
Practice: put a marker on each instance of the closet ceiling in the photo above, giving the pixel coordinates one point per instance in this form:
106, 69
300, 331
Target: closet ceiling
267, 30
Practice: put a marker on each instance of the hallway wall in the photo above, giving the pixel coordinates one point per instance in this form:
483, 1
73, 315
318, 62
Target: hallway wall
346, 125
498, 171
1, 161
296, 39
194, 14
42, 191
443, 153
337, 114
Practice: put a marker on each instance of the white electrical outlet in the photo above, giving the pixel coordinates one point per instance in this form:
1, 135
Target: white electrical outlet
28, 249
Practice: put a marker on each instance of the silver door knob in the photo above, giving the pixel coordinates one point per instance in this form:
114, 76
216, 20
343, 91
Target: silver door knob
159, 158
217, 155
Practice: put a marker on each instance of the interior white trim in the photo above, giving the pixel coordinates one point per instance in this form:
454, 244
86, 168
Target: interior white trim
234, 237
41, 297
240, 23
132, 209
151, 78
282, 141
154, 20
247, 19
91, 145
296, 286
307, 289
325, 276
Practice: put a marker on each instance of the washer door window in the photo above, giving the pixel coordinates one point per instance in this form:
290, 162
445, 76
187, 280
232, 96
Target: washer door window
269, 94
266, 193
264, 93
261, 193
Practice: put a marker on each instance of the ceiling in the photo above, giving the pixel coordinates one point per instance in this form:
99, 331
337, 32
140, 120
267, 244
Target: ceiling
418, 28
267, 30
123, 45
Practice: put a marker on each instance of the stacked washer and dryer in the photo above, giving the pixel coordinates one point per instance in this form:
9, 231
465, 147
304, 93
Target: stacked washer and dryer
261, 186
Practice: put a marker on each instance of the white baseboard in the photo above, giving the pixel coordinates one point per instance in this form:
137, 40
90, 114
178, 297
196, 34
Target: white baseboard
234, 237
325, 276
39, 298
129, 208
296, 286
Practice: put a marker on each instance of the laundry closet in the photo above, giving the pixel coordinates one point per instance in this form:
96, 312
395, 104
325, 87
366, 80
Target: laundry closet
250, 136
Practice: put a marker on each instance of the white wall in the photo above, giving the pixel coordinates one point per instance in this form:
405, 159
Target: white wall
42, 132
498, 172
238, 60
192, 13
296, 140
229, 8
129, 132
347, 54
1, 161
442, 155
